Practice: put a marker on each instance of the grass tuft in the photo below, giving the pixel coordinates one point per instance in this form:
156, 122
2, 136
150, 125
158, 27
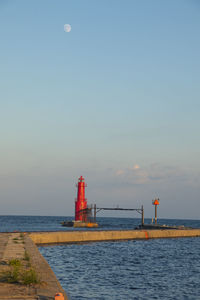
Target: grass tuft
15, 263
11, 276
26, 256
20, 273
30, 277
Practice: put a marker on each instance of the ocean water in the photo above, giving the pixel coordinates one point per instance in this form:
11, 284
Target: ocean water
153, 269
146, 269
46, 223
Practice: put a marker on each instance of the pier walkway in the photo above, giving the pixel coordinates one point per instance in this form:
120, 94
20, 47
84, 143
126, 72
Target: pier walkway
21, 248
16, 246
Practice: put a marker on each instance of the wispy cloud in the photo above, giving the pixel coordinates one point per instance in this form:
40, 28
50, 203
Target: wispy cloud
119, 172
152, 173
136, 167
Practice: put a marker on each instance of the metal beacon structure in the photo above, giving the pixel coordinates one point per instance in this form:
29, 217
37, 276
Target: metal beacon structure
83, 213
81, 201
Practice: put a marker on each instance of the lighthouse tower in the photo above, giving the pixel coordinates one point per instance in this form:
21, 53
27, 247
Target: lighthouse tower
81, 201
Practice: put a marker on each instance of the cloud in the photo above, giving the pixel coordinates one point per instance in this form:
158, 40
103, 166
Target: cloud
119, 172
133, 174
152, 173
136, 167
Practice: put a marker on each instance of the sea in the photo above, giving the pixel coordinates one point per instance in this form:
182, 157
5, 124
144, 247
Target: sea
141, 269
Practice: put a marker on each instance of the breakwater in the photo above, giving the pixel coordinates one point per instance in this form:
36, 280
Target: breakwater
135, 269
42, 238
16, 246
24, 272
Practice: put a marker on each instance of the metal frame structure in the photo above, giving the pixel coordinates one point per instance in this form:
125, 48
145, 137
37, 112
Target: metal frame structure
88, 211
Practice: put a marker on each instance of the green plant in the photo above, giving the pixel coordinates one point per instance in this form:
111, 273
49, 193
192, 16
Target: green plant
11, 276
15, 262
20, 272
26, 256
29, 277
18, 275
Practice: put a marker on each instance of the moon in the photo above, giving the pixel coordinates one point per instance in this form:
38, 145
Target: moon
67, 28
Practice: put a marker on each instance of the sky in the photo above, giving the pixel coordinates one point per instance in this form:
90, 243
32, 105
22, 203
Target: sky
116, 100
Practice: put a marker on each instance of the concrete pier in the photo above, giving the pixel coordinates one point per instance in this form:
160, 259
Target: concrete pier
17, 245
14, 246
42, 238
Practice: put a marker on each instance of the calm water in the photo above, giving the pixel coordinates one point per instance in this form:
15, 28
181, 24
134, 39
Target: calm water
44, 223
150, 269
153, 269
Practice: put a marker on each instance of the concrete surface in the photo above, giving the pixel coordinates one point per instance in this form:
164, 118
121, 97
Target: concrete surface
13, 246
97, 236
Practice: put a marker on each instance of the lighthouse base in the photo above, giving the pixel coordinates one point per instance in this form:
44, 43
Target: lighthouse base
79, 224
85, 224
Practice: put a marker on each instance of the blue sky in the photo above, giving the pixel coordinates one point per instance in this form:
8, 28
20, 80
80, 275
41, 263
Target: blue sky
115, 100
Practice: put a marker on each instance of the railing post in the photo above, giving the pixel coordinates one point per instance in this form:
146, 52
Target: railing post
95, 212
142, 215
155, 214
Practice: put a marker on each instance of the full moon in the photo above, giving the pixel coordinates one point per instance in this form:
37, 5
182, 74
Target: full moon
67, 28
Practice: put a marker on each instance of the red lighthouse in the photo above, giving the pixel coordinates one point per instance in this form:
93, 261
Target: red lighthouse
83, 213
81, 201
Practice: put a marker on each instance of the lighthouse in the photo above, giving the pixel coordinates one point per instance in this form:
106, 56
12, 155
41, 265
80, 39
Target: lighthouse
81, 201
83, 213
